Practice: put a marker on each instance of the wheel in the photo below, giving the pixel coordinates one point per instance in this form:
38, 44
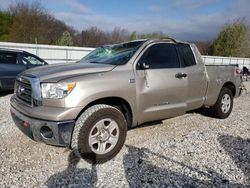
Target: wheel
99, 133
224, 104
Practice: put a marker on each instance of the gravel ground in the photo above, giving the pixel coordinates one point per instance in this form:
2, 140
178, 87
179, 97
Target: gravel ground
187, 151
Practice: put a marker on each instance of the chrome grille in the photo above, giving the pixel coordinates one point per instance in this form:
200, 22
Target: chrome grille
23, 91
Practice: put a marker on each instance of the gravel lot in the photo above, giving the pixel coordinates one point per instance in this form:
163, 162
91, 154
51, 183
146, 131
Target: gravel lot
188, 151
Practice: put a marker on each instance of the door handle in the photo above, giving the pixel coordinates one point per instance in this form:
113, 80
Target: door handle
181, 75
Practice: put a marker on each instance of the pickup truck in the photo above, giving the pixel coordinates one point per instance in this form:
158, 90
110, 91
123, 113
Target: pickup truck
89, 105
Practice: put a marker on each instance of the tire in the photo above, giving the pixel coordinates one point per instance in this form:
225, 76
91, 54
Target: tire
222, 109
94, 139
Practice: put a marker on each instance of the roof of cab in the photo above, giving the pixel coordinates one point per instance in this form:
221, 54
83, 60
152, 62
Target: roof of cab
12, 50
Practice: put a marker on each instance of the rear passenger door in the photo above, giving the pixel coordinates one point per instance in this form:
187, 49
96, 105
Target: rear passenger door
196, 76
161, 83
10, 67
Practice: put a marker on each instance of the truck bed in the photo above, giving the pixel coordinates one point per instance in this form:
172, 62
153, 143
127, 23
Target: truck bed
217, 75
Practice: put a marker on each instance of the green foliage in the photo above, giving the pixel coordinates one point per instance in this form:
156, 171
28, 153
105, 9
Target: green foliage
245, 46
65, 40
6, 21
232, 41
133, 36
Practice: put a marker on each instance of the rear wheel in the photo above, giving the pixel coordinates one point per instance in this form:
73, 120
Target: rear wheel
99, 133
224, 104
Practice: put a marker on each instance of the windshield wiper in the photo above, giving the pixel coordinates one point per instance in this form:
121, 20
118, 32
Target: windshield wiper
96, 62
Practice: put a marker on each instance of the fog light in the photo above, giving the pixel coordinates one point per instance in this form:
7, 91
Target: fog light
46, 132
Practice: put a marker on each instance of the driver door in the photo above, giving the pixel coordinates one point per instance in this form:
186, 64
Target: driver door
161, 83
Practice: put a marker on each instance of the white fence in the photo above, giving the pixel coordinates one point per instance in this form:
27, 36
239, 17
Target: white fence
51, 54
217, 60
62, 54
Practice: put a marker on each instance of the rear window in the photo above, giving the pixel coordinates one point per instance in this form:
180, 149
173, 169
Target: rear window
186, 55
30, 59
8, 58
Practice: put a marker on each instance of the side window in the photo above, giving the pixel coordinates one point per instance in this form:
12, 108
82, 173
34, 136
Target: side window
161, 55
29, 59
186, 55
8, 58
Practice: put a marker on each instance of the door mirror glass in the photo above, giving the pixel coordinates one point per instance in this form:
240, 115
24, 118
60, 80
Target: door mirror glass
143, 65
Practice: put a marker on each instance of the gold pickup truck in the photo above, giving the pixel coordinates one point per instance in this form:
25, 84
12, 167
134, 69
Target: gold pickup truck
89, 105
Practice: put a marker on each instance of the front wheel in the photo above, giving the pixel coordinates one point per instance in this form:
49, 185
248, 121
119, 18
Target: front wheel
99, 133
224, 104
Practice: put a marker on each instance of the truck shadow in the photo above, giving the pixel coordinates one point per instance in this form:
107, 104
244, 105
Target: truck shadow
141, 172
203, 111
147, 124
73, 176
239, 151
4, 93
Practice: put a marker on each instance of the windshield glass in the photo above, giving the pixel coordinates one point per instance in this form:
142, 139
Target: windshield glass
116, 54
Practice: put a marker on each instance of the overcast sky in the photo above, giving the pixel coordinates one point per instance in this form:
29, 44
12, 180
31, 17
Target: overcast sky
182, 19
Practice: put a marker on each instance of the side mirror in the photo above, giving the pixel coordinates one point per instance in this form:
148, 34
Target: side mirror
143, 66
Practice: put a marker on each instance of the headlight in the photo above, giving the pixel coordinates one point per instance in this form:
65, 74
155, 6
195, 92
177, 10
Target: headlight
56, 90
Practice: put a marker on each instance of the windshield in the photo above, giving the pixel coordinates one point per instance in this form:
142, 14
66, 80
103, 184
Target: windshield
117, 54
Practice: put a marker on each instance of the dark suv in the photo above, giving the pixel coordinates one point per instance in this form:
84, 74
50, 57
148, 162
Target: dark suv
13, 62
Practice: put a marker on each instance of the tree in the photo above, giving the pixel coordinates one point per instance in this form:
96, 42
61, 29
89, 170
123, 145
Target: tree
133, 36
245, 46
119, 35
155, 35
6, 21
232, 40
65, 40
93, 37
204, 47
33, 22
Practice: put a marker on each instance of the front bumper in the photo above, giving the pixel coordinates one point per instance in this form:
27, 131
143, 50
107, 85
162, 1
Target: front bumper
49, 132
47, 113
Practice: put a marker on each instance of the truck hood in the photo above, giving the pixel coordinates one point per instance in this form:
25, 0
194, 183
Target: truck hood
57, 72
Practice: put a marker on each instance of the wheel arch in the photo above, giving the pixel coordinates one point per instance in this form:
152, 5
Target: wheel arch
231, 86
117, 102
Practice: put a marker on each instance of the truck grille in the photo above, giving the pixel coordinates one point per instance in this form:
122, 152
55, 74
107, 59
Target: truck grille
23, 91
